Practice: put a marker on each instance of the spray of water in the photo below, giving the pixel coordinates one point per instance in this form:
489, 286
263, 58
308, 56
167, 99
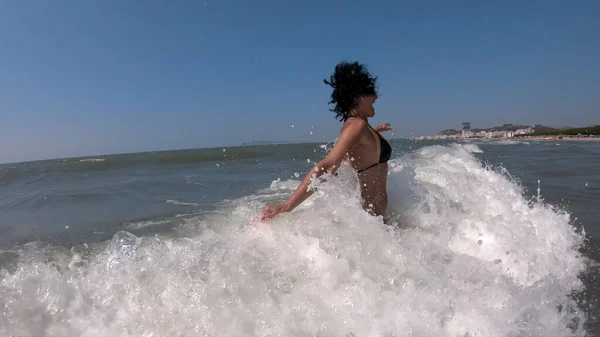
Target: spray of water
466, 255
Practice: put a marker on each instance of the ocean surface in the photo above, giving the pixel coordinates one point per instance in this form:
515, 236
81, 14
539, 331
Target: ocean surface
493, 238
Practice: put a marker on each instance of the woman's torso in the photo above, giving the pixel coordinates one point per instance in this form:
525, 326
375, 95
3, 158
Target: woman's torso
372, 173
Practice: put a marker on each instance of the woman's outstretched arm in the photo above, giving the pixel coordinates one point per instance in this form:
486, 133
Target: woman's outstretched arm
348, 140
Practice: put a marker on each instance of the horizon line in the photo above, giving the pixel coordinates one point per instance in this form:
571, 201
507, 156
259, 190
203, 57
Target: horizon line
97, 156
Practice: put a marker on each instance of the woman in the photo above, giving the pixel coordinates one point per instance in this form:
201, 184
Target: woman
354, 94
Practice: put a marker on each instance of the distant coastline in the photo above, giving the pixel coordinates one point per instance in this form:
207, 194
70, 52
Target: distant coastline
565, 137
518, 132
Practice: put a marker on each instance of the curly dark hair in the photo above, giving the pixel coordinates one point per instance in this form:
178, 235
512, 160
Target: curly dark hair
349, 81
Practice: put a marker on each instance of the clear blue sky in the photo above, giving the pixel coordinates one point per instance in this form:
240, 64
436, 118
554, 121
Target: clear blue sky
107, 76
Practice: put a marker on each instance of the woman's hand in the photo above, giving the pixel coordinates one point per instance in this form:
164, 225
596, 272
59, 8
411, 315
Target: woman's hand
383, 127
272, 211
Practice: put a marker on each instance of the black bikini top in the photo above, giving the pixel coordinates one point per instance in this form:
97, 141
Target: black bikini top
384, 154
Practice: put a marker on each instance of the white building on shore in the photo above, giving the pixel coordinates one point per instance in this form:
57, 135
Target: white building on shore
467, 133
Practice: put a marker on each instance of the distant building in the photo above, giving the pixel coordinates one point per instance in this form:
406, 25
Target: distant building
505, 132
466, 130
526, 131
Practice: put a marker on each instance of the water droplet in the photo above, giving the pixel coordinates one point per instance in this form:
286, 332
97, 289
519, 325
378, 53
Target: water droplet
66, 227
218, 165
224, 150
308, 160
293, 126
352, 159
480, 242
311, 133
296, 175
124, 244
586, 184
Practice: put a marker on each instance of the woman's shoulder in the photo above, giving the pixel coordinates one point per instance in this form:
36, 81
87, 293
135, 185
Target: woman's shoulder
355, 128
355, 124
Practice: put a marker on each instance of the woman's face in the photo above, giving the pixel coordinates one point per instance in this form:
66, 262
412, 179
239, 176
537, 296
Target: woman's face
365, 107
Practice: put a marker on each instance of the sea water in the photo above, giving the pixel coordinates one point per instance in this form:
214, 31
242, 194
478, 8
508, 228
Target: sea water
466, 252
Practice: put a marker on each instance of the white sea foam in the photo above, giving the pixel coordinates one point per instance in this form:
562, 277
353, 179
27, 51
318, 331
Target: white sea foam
469, 257
94, 160
145, 223
471, 148
181, 203
508, 142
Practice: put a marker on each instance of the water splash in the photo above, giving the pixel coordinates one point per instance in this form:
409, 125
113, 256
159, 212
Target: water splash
465, 255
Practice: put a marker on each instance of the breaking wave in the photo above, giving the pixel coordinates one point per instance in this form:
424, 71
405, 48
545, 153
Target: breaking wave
466, 254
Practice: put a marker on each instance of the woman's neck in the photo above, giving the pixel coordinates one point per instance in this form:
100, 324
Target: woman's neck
361, 117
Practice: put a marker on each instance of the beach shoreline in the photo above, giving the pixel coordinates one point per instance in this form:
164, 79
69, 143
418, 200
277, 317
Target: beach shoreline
522, 139
555, 138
